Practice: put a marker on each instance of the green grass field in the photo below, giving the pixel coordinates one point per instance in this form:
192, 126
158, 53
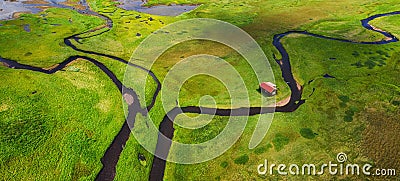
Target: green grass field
57, 127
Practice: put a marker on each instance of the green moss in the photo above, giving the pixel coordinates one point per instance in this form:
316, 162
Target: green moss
224, 164
280, 141
307, 133
23, 133
344, 98
242, 160
348, 118
262, 149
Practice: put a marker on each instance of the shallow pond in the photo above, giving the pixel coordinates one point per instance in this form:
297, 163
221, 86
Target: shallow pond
27, 28
8, 8
162, 10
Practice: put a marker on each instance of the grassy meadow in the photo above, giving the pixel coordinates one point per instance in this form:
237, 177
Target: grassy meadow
44, 45
47, 132
57, 127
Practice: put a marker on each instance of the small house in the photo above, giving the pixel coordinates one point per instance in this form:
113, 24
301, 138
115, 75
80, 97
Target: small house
268, 88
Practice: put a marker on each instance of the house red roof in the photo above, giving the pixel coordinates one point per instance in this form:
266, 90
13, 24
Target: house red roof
268, 86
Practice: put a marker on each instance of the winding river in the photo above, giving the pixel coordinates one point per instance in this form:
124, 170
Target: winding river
166, 127
112, 154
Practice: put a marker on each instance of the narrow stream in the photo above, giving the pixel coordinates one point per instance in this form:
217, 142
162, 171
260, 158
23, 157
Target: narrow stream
166, 127
112, 154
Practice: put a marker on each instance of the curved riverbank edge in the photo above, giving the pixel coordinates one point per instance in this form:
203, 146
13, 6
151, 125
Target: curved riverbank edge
113, 152
295, 101
111, 156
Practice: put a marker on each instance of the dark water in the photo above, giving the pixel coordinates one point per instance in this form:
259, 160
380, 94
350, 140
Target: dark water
9, 8
167, 128
27, 28
111, 157
328, 76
